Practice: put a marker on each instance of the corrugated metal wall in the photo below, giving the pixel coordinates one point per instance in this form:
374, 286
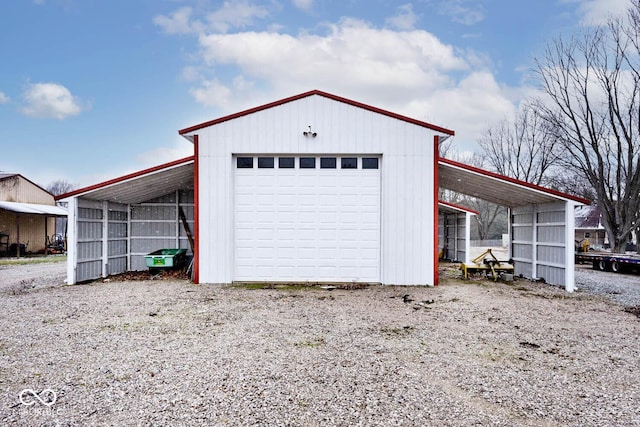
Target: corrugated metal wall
539, 241
89, 217
112, 238
407, 178
452, 237
155, 224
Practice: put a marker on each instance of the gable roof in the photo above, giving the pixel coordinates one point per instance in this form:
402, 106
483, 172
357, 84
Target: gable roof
4, 176
435, 128
496, 188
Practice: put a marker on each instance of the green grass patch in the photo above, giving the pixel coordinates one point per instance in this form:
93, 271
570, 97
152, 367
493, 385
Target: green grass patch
317, 342
35, 260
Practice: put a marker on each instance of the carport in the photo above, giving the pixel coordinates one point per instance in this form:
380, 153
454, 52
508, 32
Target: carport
541, 220
113, 224
26, 213
454, 231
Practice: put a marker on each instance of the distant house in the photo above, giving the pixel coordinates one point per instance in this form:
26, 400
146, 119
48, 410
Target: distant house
588, 227
27, 215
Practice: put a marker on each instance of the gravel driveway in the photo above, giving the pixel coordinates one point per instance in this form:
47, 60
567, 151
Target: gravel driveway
173, 353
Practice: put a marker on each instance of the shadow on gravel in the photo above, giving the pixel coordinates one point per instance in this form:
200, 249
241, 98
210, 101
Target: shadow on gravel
635, 310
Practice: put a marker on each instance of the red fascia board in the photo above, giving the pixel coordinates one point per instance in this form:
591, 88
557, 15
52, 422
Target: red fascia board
461, 208
125, 177
515, 181
320, 93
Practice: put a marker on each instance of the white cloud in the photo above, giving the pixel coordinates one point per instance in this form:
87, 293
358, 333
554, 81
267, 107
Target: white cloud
405, 19
410, 72
179, 22
4, 98
596, 12
236, 14
305, 5
232, 14
351, 55
467, 12
50, 100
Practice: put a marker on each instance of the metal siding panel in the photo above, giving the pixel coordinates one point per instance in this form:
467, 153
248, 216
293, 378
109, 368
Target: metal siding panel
523, 268
551, 234
88, 270
138, 263
407, 194
117, 265
216, 225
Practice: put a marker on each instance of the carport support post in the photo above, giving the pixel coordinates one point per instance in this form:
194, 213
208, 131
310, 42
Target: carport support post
72, 240
46, 235
467, 238
534, 241
105, 238
18, 235
569, 229
196, 211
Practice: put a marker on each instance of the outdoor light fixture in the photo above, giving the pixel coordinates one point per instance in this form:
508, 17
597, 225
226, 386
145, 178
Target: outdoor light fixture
309, 133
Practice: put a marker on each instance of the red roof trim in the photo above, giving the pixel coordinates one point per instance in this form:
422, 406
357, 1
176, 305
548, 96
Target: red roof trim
320, 93
515, 181
125, 177
461, 208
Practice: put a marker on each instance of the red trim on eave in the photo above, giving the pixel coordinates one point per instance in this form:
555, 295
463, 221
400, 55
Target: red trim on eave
320, 93
462, 208
196, 212
515, 181
124, 178
436, 190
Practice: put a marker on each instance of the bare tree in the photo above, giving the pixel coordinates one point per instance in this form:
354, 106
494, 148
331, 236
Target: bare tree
592, 84
522, 148
59, 187
491, 218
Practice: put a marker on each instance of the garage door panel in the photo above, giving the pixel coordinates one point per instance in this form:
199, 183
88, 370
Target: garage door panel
307, 224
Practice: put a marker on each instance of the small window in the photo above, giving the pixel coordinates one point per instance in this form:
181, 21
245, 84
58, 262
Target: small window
349, 163
307, 162
245, 162
327, 162
265, 162
369, 163
286, 162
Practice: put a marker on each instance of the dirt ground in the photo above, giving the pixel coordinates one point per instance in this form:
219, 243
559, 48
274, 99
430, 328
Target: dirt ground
167, 352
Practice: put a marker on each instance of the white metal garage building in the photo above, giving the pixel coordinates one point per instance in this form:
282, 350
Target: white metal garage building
311, 188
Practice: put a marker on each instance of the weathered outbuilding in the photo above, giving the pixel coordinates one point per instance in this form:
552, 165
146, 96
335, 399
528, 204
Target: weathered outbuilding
27, 215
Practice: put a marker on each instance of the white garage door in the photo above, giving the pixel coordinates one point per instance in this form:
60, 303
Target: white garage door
307, 219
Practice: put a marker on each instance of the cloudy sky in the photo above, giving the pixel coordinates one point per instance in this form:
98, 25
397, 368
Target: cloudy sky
91, 90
